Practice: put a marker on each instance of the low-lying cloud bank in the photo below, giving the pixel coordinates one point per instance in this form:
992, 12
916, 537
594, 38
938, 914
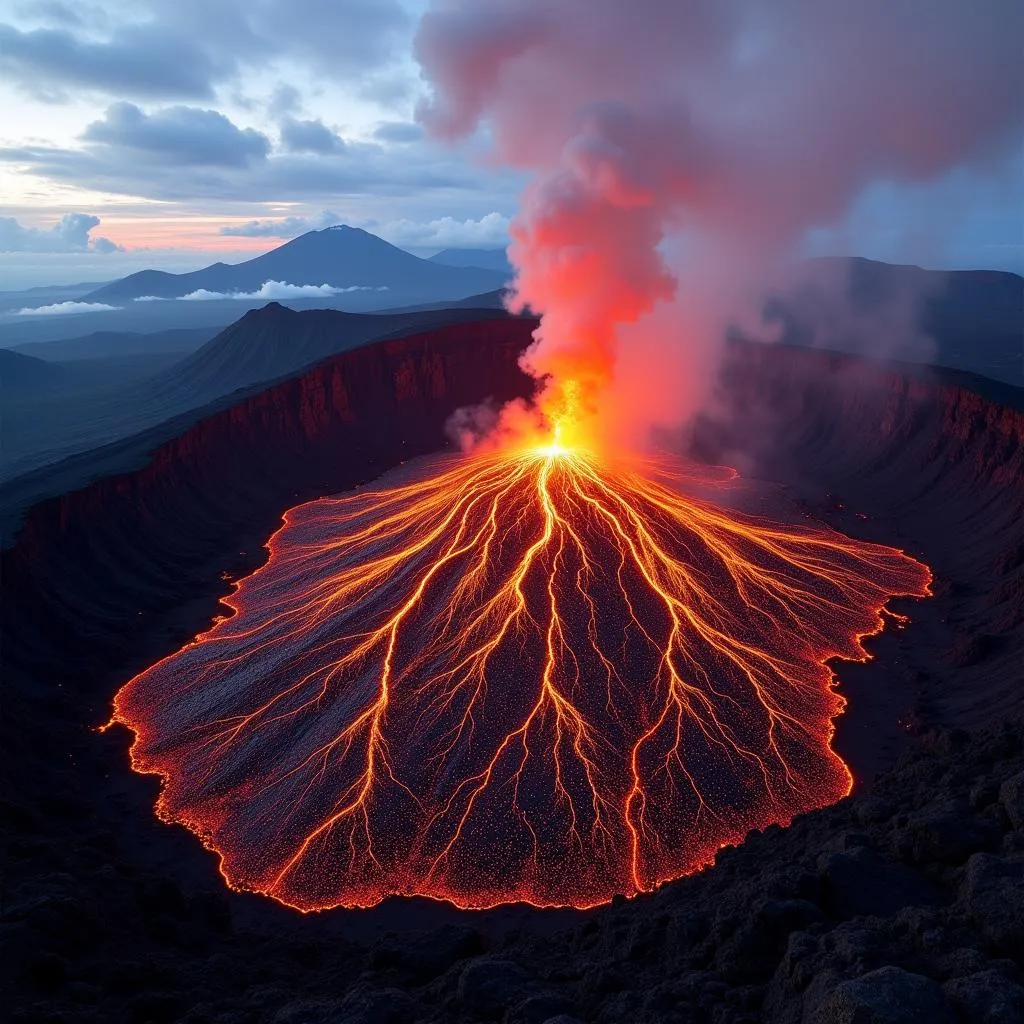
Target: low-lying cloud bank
284, 227
269, 291
276, 290
65, 308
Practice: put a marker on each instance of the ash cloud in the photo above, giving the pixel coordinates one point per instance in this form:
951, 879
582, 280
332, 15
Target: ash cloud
468, 426
858, 306
680, 153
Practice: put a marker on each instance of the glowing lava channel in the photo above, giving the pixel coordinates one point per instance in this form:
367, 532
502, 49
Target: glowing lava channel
530, 676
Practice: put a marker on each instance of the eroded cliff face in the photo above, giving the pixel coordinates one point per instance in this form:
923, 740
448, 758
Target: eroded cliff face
88, 566
920, 462
792, 405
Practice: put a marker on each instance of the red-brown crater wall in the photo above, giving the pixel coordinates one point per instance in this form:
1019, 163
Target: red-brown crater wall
915, 459
87, 566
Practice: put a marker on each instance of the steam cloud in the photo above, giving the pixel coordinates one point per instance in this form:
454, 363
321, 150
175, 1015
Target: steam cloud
681, 152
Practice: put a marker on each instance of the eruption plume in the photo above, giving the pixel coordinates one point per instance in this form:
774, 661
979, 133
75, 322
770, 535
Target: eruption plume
679, 152
545, 671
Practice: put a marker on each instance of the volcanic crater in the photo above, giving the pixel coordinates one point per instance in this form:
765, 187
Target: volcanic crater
122, 572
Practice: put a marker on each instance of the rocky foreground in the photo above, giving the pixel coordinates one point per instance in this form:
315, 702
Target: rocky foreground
905, 903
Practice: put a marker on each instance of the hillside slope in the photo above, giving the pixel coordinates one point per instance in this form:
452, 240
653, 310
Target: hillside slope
264, 345
967, 319
490, 259
101, 344
24, 375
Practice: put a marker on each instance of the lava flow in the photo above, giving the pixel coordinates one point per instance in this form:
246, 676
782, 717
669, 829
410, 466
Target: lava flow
532, 675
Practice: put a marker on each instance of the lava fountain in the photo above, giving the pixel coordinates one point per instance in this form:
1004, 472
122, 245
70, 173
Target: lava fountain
533, 674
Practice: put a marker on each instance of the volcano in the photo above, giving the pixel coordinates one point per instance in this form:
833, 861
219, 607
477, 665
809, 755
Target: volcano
342, 256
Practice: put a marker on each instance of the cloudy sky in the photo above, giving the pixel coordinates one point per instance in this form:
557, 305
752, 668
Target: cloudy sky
172, 132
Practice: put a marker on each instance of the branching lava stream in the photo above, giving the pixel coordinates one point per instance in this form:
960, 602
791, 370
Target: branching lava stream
533, 675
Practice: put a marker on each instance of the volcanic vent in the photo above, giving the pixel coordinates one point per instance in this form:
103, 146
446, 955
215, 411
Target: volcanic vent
523, 674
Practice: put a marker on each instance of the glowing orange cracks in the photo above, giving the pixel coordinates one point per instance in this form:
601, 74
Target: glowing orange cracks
528, 676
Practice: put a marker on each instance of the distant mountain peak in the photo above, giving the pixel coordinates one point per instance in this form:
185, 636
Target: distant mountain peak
359, 235
341, 256
484, 259
271, 309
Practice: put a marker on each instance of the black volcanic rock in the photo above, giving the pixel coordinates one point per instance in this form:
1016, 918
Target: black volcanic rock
860, 882
365, 1005
491, 986
1011, 796
987, 997
991, 894
341, 256
886, 996
429, 955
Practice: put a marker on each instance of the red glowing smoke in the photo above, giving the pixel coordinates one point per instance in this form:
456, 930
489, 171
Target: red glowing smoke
679, 152
538, 674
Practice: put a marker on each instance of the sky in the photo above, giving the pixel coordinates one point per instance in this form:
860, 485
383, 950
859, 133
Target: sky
171, 134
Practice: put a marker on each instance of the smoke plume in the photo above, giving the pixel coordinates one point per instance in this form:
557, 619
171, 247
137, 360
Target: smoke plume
680, 152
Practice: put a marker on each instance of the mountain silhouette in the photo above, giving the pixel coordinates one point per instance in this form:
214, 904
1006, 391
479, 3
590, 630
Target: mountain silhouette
103, 344
487, 259
341, 257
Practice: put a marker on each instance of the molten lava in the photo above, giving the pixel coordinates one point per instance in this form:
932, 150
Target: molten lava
532, 675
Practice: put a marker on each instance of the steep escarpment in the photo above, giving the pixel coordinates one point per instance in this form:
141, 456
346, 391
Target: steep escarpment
921, 461
88, 565
275, 341
102, 406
